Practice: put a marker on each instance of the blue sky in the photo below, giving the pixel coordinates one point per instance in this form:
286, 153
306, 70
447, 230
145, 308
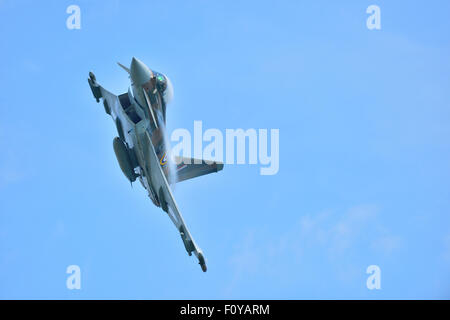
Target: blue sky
364, 120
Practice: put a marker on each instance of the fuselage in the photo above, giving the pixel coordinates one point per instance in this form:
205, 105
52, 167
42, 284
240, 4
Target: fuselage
143, 110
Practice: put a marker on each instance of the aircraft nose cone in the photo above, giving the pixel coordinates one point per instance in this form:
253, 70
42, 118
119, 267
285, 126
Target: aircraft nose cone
139, 72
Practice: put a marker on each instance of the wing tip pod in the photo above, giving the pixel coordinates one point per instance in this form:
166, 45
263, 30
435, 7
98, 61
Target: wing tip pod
201, 261
94, 87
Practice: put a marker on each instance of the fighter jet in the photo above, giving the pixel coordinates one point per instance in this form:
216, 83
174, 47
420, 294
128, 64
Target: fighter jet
142, 148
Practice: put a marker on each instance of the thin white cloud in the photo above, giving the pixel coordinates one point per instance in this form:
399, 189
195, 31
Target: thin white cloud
388, 244
329, 236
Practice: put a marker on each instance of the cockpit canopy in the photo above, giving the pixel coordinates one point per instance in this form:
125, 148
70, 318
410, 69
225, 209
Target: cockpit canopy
164, 85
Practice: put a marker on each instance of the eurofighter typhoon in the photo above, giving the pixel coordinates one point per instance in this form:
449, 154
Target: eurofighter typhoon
141, 147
